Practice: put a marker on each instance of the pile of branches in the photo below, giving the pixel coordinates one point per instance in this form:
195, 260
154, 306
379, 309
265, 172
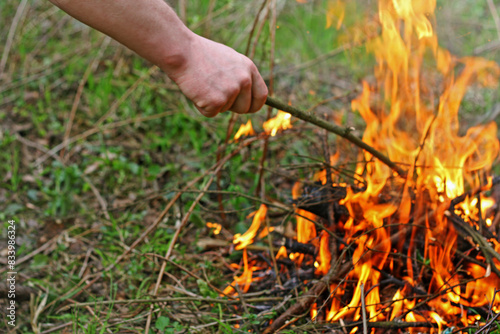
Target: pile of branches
285, 279
324, 201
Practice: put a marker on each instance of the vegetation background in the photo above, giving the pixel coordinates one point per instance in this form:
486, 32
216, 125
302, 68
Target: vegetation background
95, 142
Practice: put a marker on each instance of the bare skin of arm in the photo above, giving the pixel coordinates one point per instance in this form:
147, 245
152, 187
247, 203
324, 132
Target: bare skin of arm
215, 77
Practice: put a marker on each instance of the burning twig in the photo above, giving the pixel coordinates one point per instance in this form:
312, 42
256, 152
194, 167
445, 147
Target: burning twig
363, 309
343, 132
293, 246
466, 230
488, 325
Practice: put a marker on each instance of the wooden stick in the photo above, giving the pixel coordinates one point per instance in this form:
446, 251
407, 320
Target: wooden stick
342, 132
363, 309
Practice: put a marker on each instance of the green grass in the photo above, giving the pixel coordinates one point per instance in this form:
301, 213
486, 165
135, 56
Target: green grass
136, 168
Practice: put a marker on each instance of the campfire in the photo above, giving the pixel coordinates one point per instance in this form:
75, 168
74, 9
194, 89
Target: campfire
412, 251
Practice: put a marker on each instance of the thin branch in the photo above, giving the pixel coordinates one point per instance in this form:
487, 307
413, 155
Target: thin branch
363, 309
10, 37
191, 274
488, 325
169, 300
79, 92
174, 239
494, 13
309, 297
343, 132
384, 325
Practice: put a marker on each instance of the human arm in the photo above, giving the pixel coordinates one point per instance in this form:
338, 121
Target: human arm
215, 77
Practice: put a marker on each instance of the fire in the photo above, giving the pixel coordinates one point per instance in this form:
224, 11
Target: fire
279, 122
245, 130
241, 241
244, 281
418, 128
410, 130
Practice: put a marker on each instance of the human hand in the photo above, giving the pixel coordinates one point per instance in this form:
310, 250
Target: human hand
217, 78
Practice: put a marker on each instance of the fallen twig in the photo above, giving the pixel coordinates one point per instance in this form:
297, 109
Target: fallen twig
22, 292
170, 300
10, 37
488, 325
192, 274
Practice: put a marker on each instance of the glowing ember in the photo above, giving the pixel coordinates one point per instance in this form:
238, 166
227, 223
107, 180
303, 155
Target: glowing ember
216, 227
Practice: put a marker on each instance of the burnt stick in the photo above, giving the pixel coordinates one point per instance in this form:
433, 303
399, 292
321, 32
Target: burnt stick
465, 230
293, 246
342, 132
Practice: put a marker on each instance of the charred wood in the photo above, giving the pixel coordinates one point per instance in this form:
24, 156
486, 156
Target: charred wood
466, 231
318, 199
292, 245
461, 198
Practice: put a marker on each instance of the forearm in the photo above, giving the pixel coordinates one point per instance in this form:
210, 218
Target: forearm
215, 77
149, 27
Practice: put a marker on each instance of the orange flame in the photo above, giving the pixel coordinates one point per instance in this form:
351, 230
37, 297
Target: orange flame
322, 263
406, 122
412, 125
243, 240
335, 12
244, 281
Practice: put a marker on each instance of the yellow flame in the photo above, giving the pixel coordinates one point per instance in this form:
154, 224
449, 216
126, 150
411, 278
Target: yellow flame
314, 311
413, 127
335, 12
245, 130
280, 122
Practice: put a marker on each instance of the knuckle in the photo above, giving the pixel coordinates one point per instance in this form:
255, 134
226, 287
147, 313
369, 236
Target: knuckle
207, 112
246, 80
201, 105
210, 114
262, 96
218, 101
233, 90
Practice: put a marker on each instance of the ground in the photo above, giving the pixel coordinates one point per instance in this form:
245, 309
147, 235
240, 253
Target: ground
95, 144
